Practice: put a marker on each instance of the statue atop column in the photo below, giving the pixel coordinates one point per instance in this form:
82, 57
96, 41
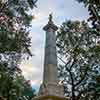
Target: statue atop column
50, 17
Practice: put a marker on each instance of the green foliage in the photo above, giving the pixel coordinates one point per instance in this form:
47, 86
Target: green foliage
14, 86
79, 50
15, 21
94, 12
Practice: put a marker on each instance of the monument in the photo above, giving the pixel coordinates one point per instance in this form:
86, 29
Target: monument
50, 89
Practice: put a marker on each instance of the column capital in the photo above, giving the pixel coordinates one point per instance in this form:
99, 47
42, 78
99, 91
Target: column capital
50, 24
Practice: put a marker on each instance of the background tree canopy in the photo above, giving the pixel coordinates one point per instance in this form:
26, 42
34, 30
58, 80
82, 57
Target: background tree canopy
94, 12
79, 50
15, 19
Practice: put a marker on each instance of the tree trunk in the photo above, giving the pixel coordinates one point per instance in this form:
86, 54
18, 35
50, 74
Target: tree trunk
73, 92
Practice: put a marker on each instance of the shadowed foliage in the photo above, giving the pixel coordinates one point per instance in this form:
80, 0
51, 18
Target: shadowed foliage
79, 50
94, 12
15, 43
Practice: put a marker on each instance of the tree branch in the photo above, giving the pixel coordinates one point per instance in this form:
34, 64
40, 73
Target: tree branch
72, 80
81, 79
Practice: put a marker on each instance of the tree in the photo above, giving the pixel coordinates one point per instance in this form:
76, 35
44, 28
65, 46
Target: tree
14, 23
14, 85
15, 19
79, 51
94, 12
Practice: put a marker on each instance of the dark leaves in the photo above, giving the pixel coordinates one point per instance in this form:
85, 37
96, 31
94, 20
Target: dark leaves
78, 48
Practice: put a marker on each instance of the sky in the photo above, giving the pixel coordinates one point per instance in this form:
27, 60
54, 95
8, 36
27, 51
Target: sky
62, 10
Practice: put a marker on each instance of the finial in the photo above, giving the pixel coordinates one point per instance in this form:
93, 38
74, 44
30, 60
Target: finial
50, 17
50, 24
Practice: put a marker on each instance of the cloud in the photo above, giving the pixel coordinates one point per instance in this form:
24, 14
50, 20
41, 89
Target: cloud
32, 69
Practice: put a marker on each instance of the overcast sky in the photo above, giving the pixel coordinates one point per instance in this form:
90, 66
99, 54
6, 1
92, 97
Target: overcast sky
62, 10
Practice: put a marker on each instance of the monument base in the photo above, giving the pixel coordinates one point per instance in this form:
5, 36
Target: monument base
51, 89
50, 97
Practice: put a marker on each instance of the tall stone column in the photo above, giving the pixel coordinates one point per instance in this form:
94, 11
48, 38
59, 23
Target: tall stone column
50, 58
50, 75
50, 89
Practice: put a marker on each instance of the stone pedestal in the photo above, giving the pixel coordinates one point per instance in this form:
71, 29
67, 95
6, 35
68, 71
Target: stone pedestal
51, 89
